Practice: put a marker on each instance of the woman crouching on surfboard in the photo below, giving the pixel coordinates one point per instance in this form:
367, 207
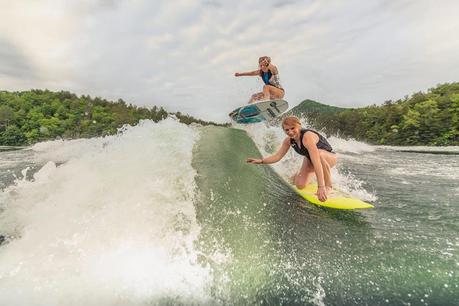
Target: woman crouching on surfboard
270, 76
317, 152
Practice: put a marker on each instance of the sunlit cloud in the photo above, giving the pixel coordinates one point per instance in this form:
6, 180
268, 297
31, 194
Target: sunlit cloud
182, 55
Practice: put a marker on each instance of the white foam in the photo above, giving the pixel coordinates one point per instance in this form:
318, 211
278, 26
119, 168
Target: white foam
319, 294
421, 148
114, 225
426, 166
350, 145
269, 138
349, 183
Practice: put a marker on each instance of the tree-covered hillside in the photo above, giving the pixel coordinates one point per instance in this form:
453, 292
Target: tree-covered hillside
36, 115
430, 118
310, 106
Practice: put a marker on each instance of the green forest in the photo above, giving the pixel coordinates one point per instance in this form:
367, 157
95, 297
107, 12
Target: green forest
424, 118
31, 116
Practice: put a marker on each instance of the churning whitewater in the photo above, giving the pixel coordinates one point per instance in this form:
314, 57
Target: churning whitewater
105, 221
165, 213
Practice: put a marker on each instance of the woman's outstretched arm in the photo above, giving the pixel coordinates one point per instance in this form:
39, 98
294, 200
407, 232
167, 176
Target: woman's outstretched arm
310, 142
273, 158
249, 73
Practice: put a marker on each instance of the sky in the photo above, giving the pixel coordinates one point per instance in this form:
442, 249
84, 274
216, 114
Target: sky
182, 54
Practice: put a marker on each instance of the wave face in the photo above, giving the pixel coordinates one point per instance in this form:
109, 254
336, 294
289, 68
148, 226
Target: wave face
266, 245
166, 214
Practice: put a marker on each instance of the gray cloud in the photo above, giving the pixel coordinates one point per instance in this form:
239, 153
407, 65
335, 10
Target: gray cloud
278, 4
212, 3
183, 54
13, 63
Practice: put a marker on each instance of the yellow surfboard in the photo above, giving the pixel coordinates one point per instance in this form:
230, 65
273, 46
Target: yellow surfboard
337, 199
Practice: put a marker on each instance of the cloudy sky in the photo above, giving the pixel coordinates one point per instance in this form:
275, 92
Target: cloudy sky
182, 54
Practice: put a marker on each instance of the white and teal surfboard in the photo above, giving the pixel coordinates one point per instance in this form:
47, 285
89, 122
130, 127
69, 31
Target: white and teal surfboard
258, 112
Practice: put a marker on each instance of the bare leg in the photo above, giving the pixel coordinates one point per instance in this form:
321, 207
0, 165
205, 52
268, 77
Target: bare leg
304, 176
271, 92
266, 92
256, 97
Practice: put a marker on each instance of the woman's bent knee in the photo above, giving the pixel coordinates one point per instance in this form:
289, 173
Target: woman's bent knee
300, 186
327, 157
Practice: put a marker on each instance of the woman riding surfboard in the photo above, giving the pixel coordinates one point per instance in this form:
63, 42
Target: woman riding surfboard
270, 76
317, 152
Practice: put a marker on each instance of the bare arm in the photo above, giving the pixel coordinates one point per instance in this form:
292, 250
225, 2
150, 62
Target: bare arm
275, 157
273, 69
310, 142
250, 73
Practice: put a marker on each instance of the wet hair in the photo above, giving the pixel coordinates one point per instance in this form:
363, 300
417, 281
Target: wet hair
291, 120
263, 58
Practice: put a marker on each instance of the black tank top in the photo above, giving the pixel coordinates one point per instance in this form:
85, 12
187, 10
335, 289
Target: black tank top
321, 144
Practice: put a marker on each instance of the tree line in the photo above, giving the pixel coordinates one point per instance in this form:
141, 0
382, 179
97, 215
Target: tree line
424, 118
28, 117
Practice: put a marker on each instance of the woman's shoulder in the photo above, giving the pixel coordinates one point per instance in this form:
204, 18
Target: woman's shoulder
310, 135
287, 141
273, 69
308, 132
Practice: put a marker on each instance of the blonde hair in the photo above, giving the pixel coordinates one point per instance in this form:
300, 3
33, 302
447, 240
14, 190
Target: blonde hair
264, 58
291, 120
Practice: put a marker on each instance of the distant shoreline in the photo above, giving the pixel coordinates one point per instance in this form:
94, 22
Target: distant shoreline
425, 118
32, 116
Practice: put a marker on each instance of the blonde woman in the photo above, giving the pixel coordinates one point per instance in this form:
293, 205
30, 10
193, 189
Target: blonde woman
270, 76
318, 156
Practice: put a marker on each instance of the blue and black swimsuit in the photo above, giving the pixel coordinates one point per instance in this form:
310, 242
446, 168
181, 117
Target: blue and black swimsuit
270, 79
321, 144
